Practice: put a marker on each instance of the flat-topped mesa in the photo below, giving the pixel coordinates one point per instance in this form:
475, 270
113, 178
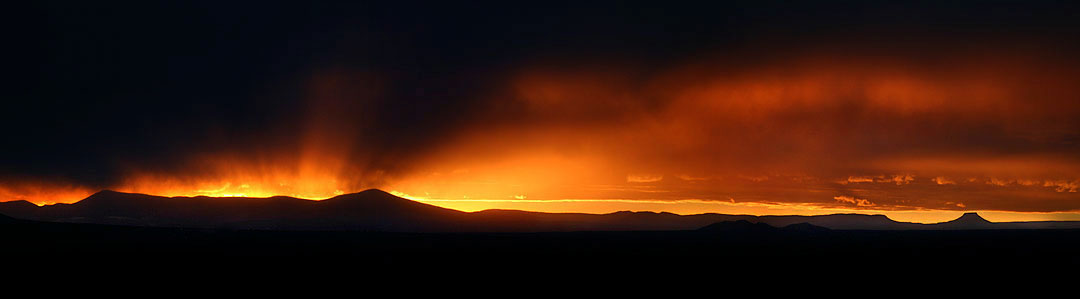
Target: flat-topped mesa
838, 221
971, 217
968, 221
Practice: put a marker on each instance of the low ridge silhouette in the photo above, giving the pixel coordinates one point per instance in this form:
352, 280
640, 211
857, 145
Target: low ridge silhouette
376, 210
743, 226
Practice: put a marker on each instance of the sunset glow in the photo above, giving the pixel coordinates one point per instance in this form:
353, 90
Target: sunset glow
920, 128
220, 142
805, 136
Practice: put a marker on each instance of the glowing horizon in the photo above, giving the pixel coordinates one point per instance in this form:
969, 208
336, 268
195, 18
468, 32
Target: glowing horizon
605, 206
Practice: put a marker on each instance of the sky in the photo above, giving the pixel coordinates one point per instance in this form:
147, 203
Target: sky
920, 110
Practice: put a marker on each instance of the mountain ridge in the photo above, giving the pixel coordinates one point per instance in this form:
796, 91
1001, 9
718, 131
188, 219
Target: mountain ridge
378, 210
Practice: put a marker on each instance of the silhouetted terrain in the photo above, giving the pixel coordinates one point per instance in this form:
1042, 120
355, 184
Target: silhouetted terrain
747, 227
375, 210
727, 248
116, 234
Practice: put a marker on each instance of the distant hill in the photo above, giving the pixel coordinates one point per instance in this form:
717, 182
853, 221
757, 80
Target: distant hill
806, 228
375, 210
18, 207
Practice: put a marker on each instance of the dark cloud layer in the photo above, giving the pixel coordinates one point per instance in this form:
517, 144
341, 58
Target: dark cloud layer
376, 94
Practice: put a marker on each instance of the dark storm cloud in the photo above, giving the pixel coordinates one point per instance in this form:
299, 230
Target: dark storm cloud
102, 89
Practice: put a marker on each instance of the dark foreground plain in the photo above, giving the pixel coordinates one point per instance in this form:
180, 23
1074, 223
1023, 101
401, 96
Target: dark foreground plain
372, 237
105, 249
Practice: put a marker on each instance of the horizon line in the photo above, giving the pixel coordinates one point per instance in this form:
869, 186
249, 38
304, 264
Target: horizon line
824, 211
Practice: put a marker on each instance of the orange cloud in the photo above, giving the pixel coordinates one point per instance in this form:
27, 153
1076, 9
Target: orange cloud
644, 178
902, 179
857, 179
940, 180
1063, 186
861, 202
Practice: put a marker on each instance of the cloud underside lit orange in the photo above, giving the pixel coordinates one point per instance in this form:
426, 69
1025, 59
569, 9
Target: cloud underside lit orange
815, 134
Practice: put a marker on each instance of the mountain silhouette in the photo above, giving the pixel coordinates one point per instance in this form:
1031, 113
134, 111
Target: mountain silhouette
971, 218
18, 207
367, 210
968, 221
842, 221
514, 220
747, 227
376, 210
806, 228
